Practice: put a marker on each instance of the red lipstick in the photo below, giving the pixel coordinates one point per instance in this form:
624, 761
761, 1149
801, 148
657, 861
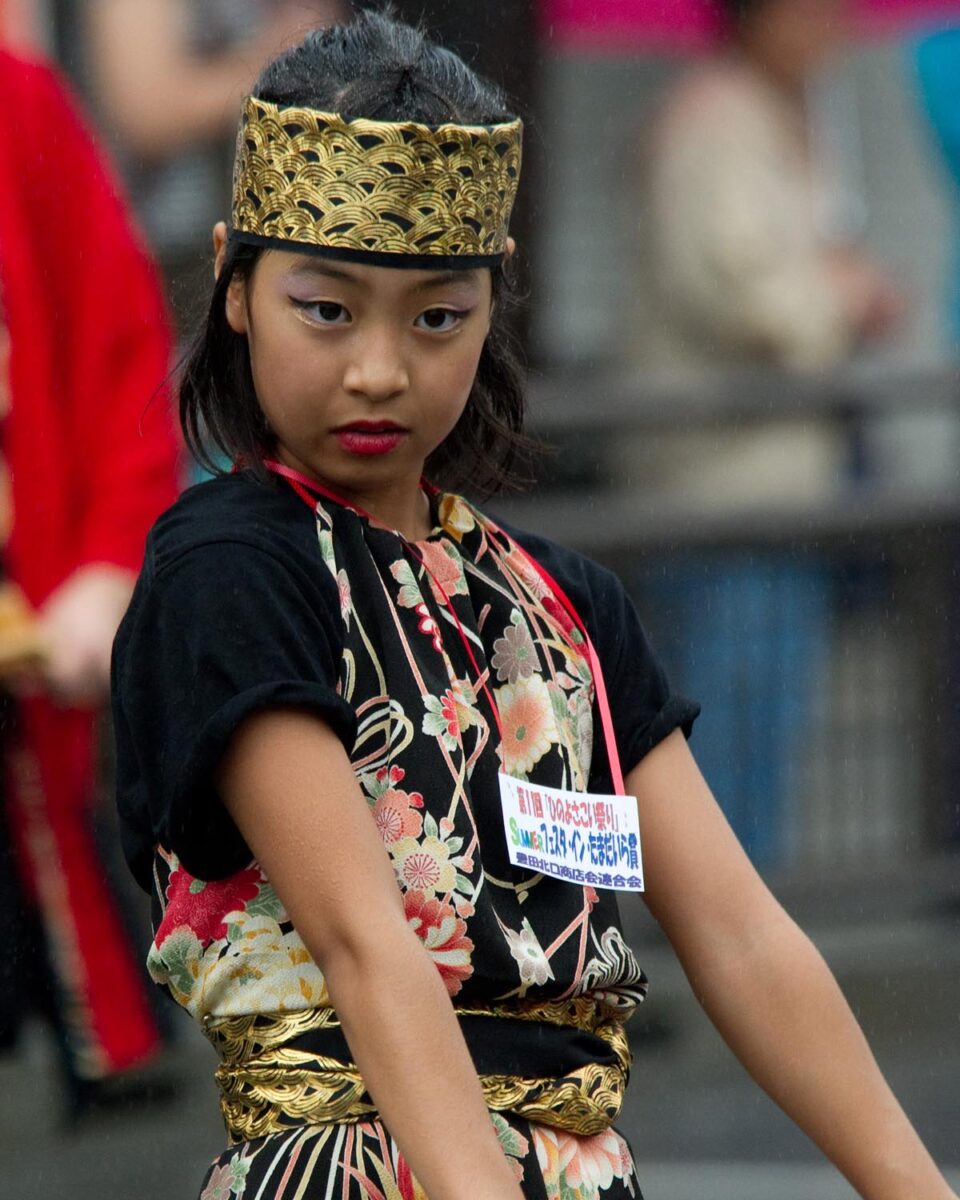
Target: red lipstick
369, 438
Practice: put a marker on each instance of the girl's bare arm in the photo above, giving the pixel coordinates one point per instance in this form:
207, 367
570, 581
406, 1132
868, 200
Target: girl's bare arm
766, 988
289, 786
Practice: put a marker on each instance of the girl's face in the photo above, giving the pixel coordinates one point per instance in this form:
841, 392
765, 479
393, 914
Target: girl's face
361, 371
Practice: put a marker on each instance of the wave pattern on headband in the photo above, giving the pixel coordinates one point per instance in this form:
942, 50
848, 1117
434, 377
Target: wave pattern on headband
375, 188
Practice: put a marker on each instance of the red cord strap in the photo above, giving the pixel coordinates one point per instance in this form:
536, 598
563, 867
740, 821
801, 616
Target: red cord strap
303, 485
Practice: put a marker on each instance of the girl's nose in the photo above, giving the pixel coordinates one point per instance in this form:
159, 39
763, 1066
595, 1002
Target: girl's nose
378, 370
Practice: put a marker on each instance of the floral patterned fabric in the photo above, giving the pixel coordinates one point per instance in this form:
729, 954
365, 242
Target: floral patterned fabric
362, 1162
426, 751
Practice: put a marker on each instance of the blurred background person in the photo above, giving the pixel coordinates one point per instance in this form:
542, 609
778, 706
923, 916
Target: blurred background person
88, 439
752, 259
166, 77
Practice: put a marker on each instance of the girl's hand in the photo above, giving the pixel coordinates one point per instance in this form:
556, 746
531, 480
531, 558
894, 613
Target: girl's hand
78, 624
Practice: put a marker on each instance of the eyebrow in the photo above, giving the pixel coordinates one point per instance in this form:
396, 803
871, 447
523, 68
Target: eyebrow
326, 271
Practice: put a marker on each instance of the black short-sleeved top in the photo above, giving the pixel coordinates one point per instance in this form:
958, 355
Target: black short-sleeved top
249, 599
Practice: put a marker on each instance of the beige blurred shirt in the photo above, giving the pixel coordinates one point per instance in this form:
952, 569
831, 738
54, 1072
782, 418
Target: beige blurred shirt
734, 251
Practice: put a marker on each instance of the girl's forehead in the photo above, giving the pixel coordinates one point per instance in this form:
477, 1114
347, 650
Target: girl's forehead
312, 269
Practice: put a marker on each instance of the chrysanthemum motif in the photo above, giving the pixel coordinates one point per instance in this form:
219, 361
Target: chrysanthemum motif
527, 721
514, 655
519, 564
394, 810
582, 1168
203, 906
424, 866
443, 934
528, 955
396, 816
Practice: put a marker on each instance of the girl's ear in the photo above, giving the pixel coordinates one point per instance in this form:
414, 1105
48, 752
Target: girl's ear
236, 302
236, 305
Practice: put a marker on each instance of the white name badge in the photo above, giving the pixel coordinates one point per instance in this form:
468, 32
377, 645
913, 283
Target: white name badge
574, 836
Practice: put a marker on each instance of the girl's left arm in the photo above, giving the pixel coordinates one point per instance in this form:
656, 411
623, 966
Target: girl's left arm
765, 986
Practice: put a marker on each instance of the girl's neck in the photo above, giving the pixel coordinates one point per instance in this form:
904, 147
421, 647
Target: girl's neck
410, 514
403, 506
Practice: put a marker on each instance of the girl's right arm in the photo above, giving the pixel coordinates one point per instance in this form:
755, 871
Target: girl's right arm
289, 786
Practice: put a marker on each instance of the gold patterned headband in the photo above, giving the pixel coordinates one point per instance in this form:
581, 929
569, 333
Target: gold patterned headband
395, 193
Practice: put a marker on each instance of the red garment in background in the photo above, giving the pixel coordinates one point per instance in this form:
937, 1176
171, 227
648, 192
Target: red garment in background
92, 454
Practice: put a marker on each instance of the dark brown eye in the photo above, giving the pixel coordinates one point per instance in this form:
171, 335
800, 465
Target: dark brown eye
440, 320
325, 312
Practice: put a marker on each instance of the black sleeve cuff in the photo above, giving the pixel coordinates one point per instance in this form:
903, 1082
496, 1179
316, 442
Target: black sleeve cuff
197, 828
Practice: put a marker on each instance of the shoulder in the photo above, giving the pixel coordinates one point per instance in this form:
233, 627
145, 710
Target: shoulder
235, 549
236, 515
238, 563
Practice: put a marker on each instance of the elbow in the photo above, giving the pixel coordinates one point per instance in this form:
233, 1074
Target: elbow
363, 969
350, 947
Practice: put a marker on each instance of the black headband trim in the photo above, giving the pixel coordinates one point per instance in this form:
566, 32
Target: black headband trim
373, 258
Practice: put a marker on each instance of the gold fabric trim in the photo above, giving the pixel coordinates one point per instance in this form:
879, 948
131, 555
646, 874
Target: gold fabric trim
267, 1086
374, 186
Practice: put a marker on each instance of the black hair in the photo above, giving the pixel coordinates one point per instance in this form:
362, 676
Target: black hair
379, 68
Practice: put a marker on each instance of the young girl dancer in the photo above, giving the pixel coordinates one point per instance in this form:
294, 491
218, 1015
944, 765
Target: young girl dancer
328, 664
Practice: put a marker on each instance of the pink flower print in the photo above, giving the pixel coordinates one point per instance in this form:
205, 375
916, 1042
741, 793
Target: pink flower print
343, 592
450, 714
581, 1167
395, 814
444, 569
514, 655
596, 1161
219, 1185
443, 934
389, 777
202, 906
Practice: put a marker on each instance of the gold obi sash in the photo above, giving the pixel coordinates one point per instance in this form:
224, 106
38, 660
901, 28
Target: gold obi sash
271, 1078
